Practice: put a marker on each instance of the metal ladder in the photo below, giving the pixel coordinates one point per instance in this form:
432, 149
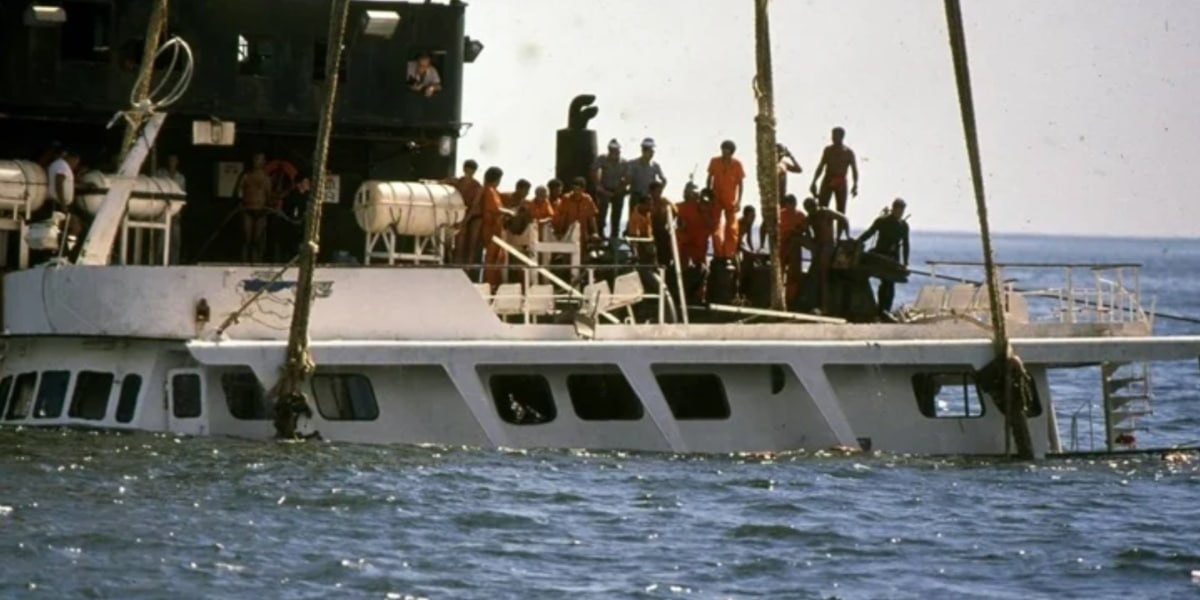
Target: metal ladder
1127, 398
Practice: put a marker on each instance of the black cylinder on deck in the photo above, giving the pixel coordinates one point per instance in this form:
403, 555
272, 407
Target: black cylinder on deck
722, 281
576, 149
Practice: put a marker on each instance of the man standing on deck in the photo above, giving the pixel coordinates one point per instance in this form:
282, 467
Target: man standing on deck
492, 225
608, 176
892, 242
695, 227
576, 208
836, 160
725, 177
787, 164
643, 171
822, 237
255, 188
467, 242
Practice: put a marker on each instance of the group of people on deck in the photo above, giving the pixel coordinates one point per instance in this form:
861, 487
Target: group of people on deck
704, 219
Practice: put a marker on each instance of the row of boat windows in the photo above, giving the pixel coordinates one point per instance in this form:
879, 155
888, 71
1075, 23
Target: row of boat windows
44, 395
956, 396
338, 396
528, 399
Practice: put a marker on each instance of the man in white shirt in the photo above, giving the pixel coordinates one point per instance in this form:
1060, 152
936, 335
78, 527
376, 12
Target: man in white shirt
61, 181
171, 171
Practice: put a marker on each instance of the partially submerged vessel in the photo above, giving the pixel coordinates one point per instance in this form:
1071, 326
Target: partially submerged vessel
410, 349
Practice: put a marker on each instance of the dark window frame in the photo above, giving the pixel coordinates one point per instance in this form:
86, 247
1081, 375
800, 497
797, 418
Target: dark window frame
679, 393
56, 397
194, 406
84, 407
257, 63
127, 403
621, 399
926, 396
100, 26
5, 392
252, 408
538, 410
343, 397
18, 383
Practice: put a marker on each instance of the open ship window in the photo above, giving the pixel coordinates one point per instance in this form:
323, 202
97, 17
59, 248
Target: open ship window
256, 55
52, 394
186, 402
523, 399
22, 396
948, 395
5, 388
245, 396
90, 398
694, 396
131, 386
345, 397
604, 397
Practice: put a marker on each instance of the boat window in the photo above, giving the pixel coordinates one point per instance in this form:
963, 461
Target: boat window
947, 395
186, 402
87, 31
5, 387
245, 396
523, 399
52, 393
22, 396
345, 397
90, 398
694, 396
778, 378
131, 386
256, 55
603, 397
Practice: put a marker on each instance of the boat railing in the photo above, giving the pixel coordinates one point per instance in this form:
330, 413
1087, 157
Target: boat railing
1065, 292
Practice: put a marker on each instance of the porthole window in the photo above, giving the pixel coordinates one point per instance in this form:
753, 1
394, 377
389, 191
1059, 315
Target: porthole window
244, 396
603, 397
186, 400
947, 395
90, 398
52, 394
22, 396
345, 397
523, 399
694, 396
131, 387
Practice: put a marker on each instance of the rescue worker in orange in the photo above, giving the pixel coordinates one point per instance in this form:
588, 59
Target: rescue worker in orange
725, 178
662, 217
492, 225
640, 227
540, 208
576, 207
695, 227
467, 241
515, 199
556, 188
792, 225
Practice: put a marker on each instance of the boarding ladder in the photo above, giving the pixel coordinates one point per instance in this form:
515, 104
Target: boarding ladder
1127, 398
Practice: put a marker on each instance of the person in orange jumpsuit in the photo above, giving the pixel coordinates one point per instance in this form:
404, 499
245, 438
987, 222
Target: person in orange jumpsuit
540, 208
725, 177
515, 199
576, 207
467, 243
792, 225
492, 219
640, 227
695, 227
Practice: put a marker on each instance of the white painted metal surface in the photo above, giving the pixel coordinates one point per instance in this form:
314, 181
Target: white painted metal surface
150, 198
409, 208
23, 186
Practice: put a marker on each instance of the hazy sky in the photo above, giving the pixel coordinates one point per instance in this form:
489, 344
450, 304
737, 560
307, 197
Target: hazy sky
1089, 110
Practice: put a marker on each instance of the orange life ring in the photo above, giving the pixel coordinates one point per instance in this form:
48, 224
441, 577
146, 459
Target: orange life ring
283, 180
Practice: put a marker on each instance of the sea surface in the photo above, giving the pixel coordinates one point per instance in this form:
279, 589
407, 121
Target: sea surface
103, 515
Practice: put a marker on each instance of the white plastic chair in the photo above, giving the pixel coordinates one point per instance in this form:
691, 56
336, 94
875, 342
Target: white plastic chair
596, 297
961, 299
539, 300
508, 300
929, 299
627, 291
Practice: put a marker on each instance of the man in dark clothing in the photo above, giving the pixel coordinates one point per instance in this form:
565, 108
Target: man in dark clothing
290, 220
891, 241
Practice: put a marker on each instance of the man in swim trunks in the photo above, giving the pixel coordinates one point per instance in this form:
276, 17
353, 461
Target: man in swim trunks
255, 187
835, 161
822, 223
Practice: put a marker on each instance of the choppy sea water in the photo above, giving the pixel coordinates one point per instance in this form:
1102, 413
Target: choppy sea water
102, 515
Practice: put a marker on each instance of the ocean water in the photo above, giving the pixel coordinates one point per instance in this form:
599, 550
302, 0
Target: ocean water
103, 515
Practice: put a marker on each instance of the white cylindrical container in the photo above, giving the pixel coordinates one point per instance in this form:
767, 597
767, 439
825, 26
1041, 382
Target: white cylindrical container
414, 208
22, 185
150, 198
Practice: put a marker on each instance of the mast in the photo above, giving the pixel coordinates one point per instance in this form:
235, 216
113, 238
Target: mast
154, 32
1011, 372
290, 402
768, 154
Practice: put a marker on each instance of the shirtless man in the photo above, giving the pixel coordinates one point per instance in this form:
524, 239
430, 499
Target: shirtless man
835, 161
255, 187
822, 222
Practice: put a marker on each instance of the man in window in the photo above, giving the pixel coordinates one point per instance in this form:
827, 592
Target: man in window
423, 77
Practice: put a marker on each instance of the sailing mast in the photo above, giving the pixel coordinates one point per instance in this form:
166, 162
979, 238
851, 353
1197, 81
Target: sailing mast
1011, 373
154, 32
768, 153
290, 402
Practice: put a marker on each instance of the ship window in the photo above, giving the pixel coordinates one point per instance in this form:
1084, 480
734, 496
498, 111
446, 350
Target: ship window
523, 399
256, 55
778, 378
52, 393
603, 397
318, 72
186, 402
90, 398
5, 387
86, 35
131, 386
694, 396
22, 396
947, 395
345, 397
245, 396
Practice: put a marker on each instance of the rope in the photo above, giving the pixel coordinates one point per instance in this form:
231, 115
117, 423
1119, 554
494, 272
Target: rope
1011, 371
290, 403
767, 151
